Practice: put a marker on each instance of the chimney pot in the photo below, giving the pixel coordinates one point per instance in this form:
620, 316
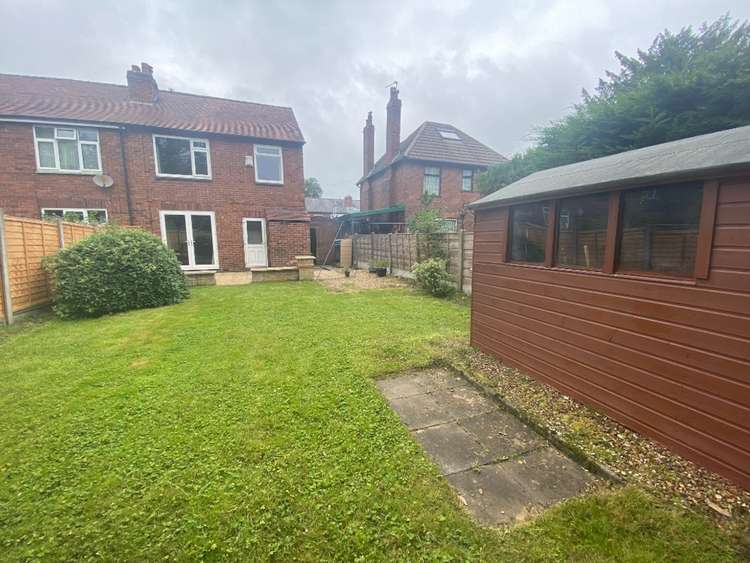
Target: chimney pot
348, 201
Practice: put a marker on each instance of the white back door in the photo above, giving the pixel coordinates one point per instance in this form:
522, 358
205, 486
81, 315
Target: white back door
256, 246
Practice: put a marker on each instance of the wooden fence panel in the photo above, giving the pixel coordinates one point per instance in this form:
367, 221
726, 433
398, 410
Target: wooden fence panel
27, 242
402, 250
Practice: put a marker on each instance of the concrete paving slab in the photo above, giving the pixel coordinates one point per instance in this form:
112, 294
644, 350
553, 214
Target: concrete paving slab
502, 434
490, 496
420, 411
398, 387
503, 470
451, 447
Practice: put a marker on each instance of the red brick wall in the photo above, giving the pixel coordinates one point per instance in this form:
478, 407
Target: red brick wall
232, 193
403, 183
287, 240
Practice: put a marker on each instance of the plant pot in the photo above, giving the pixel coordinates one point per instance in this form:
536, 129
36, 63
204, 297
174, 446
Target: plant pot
381, 272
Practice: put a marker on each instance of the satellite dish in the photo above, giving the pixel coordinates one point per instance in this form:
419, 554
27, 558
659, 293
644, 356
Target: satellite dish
103, 181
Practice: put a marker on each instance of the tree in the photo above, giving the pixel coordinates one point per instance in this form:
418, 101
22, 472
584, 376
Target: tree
312, 188
685, 84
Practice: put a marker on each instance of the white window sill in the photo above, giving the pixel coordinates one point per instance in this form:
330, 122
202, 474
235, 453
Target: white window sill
181, 177
200, 269
72, 172
268, 183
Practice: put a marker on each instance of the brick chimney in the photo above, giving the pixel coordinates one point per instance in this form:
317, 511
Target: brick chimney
393, 124
348, 201
141, 84
368, 143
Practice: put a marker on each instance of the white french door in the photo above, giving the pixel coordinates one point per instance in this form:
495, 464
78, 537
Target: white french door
256, 244
192, 236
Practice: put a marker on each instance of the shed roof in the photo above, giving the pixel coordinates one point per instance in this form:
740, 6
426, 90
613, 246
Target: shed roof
664, 162
59, 98
427, 143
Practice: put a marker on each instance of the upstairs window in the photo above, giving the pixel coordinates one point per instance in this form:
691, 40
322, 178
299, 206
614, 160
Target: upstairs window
182, 157
659, 231
528, 233
67, 149
431, 183
467, 180
269, 165
75, 215
582, 232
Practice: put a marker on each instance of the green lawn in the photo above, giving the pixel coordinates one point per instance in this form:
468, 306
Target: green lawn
244, 424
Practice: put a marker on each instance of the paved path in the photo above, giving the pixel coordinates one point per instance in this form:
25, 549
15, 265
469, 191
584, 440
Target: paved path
502, 470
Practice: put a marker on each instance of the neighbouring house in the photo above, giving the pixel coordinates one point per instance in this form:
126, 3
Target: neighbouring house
221, 181
624, 281
436, 159
324, 225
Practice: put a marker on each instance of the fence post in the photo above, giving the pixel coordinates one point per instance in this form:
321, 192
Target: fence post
390, 253
7, 298
416, 244
461, 260
61, 233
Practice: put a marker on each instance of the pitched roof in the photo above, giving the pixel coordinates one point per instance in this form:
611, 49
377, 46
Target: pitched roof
329, 205
426, 143
57, 98
667, 161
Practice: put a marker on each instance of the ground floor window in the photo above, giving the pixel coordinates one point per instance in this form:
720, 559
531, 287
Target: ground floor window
75, 215
192, 237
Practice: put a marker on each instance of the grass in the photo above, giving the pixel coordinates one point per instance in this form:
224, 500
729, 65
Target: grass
243, 424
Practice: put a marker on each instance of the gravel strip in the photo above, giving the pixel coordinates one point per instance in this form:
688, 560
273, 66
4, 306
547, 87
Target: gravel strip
631, 456
358, 280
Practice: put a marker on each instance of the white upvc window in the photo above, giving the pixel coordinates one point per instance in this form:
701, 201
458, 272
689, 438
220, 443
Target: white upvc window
269, 164
75, 214
67, 150
182, 157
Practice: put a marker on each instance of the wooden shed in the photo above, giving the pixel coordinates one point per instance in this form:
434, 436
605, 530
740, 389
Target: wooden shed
624, 281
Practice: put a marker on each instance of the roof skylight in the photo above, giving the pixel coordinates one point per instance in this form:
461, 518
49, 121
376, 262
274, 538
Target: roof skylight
449, 135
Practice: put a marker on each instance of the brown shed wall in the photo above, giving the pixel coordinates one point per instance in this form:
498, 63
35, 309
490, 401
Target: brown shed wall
668, 358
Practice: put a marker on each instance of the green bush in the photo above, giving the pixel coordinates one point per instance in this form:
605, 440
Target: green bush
115, 270
432, 276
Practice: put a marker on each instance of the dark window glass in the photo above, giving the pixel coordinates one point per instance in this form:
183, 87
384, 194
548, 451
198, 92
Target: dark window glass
660, 229
254, 232
177, 237
529, 232
201, 163
174, 156
203, 240
582, 232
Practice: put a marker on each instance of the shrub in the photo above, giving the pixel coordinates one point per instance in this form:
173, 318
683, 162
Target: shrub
432, 276
115, 270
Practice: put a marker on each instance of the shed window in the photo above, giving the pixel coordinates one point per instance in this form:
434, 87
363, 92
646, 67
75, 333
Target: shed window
431, 180
582, 232
528, 232
659, 230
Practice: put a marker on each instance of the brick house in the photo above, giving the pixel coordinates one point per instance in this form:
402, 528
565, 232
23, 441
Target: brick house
220, 181
436, 158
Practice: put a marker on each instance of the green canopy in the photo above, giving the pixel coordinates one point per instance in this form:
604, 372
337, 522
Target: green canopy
372, 212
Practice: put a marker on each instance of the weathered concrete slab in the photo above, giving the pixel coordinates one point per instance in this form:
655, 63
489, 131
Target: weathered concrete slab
451, 447
502, 470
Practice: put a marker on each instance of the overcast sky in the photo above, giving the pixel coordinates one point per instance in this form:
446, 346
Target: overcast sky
494, 69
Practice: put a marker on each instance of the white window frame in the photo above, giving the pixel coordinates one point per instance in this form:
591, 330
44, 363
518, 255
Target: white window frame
189, 228
281, 164
470, 177
56, 169
448, 225
193, 150
84, 210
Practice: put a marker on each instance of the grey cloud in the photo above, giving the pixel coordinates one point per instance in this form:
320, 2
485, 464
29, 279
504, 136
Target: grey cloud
495, 69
